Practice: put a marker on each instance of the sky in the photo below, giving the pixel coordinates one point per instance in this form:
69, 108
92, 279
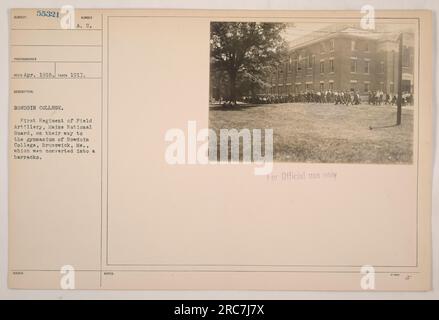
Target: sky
302, 29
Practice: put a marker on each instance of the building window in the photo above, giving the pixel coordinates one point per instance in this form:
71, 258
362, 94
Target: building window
310, 61
392, 88
382, 67
353, 65
331, 45
366, 87
322, 48
331, 65
322, 66
322, 86
353, 45
367, 46
308, 86
331, 86
353, 84
366, 66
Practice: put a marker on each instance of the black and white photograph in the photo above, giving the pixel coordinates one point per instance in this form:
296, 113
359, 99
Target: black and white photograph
219, 151
331, 92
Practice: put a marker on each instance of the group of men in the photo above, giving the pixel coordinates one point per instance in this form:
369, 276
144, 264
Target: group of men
329, 96
379, 98
346, 97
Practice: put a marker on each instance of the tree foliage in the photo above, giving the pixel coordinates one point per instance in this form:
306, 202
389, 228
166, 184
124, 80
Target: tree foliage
244, 51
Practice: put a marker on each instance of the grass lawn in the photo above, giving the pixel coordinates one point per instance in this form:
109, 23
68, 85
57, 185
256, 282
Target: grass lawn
325, 132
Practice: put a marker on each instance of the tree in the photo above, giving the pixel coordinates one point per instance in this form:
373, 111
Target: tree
243, 50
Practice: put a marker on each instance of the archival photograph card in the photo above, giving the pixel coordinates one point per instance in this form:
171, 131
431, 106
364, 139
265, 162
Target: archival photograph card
220, 150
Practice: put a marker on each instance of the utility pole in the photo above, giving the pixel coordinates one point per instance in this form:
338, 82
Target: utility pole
399, 101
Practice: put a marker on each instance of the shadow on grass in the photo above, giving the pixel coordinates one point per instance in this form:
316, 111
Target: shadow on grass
383, 127
239, 107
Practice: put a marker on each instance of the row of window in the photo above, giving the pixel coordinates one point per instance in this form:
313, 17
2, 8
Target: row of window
364, 46
355, 47
331, 67
310, 62
301, 87
366, 65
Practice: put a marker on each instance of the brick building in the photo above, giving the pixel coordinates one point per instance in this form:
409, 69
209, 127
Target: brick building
344, 58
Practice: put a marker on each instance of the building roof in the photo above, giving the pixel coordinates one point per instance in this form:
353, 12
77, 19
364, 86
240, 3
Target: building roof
338, 30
